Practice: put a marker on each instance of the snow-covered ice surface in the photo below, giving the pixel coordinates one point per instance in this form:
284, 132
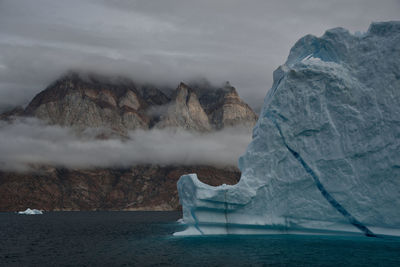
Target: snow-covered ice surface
325, 154
29, 211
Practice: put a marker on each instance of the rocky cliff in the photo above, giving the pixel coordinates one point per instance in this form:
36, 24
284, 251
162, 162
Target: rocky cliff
118, 105
144, 187
121, 105
83, 102
185, 111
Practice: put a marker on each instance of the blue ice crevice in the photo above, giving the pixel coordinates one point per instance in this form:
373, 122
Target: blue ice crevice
331, 200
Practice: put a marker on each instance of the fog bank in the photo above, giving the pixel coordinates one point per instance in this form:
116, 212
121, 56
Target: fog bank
30, 141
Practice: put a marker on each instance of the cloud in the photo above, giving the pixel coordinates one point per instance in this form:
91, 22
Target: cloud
158, 110
165, 41
27, 142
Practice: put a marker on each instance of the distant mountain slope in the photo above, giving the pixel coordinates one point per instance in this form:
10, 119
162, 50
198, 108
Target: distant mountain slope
121, 105
143, 187
118, 106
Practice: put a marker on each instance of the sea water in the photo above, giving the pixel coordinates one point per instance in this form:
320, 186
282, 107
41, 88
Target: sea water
145, 239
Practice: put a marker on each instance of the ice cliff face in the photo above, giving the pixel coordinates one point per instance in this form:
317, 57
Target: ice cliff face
325, 154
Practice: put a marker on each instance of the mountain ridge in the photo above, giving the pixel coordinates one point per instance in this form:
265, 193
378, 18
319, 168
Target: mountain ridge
118, 104
121, 105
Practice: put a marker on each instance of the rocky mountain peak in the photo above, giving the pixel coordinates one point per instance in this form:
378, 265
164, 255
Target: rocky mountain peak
185, 111
89, 100
183, 92
229, 90
183, 86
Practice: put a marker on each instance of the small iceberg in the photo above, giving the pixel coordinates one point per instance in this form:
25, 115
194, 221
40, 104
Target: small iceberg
29, 211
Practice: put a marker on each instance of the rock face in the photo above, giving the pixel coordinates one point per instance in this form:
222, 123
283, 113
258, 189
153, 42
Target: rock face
232, 111
7, 116
224, 107
145, 187
325, 151
121, 105
81, 103
185, 112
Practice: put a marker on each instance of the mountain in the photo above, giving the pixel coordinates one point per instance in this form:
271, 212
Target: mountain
93, 101
325, 152
83, 101
185, 111
117, 106
143, 187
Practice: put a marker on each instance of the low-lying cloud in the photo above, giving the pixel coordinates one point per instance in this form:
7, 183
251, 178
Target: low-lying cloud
27, 142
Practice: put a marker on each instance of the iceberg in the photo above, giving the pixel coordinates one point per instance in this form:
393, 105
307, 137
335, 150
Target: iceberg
29, 211
325, 153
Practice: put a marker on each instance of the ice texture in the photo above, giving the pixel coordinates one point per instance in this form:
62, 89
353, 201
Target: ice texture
325, 154
29, 211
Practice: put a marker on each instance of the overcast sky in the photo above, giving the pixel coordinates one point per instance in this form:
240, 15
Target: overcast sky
165, 41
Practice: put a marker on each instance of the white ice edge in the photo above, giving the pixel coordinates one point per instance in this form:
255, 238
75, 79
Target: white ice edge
29, 211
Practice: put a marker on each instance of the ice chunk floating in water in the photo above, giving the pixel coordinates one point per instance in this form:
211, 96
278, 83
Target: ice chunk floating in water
29, 211
325, 154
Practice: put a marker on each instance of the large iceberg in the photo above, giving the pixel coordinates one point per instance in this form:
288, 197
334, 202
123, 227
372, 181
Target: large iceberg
325, 154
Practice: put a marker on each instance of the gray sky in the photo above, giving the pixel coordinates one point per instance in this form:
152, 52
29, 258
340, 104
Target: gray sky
165, 41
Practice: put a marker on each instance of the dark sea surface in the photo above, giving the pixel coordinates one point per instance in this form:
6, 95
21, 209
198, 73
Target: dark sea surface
145, 239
